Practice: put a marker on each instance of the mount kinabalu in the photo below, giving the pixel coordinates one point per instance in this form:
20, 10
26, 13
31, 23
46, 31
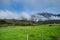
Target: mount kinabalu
47, 16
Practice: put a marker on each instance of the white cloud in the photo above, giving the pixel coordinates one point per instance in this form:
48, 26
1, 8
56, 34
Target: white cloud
8, 15
26, 15
13, 15
55, 18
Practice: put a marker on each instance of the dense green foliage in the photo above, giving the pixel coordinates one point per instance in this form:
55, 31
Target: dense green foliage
13, 22
42, 32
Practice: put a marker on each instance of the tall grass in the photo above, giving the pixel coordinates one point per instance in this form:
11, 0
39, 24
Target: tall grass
41, 32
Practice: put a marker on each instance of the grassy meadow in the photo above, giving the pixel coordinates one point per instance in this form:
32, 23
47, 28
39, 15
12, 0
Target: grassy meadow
40, 32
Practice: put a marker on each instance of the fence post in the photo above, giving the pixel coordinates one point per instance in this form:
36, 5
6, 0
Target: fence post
27, 36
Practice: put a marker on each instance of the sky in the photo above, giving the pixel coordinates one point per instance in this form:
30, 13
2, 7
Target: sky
17, 8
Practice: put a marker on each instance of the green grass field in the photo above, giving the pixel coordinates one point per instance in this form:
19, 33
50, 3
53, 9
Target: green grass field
42, 32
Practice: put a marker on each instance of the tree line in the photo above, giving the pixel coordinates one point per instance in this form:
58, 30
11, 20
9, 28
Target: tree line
12, 22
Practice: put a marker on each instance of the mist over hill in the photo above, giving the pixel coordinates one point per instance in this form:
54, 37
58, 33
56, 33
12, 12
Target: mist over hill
29, 16
25, 16
47, 16
50, 16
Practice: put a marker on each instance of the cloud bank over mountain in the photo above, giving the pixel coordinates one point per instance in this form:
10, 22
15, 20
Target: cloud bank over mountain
18, 9
25, 15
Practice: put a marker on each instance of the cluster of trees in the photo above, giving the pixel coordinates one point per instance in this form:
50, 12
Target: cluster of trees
16, 22
51, 22
13, 22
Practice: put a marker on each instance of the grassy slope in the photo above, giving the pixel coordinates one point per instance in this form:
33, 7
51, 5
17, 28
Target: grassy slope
34, 32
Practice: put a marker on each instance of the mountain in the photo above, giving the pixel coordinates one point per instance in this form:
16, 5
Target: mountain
58, 15
47, 16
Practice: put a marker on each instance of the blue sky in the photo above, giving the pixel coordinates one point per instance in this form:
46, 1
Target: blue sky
18, 8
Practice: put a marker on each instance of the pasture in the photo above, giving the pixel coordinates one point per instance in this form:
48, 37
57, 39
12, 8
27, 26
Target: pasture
40, 32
